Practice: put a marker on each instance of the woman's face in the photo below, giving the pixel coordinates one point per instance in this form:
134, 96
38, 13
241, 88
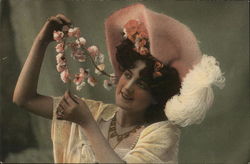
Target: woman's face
131, 93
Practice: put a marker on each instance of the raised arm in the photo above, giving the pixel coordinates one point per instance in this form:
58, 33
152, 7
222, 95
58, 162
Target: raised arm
25, 94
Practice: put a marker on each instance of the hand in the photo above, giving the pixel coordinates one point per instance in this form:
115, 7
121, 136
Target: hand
74, 109
53, 23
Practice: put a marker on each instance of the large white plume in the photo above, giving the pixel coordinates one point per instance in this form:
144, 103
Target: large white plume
196, 94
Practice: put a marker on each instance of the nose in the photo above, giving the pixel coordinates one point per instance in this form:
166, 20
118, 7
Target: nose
129, 87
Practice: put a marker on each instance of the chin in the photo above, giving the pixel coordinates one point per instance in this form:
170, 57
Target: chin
121, 103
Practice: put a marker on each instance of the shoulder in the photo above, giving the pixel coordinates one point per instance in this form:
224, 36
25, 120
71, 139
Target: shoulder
162, 132
158, 142
161, 129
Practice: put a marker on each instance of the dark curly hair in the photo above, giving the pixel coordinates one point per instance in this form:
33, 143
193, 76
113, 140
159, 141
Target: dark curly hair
162, 88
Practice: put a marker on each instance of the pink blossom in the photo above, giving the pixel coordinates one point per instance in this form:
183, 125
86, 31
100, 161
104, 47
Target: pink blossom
74, 32
99, 58
107, 85
74, 46
81, 70
157, 74
93, 51
60, 67
81, 58
130, 27
143, 51
78, 79
78, 55
92, 81
58, 35
60, 47
60, 58
84, 73
112, 78
65, 76
80, 86
101, 67
80, 42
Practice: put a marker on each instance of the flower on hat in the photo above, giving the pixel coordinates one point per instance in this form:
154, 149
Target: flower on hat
158, 65
136, 32
143, 51
157, 74
130, 28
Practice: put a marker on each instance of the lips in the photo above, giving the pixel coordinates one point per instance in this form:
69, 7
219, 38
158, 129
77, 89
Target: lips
126, 97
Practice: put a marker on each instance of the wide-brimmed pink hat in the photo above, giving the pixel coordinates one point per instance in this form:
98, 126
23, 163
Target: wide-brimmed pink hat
173, 43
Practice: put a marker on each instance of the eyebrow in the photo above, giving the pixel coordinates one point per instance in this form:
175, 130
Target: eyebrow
130, 71
140, 78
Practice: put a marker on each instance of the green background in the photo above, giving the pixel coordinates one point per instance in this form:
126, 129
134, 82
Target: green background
221, 26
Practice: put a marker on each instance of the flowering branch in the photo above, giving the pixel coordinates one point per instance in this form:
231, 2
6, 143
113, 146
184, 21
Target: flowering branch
79, 52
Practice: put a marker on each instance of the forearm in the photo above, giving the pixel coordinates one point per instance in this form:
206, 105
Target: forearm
102, 149
26, 86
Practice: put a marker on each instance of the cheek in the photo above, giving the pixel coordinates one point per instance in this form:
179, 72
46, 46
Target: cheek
143, 97
119, 85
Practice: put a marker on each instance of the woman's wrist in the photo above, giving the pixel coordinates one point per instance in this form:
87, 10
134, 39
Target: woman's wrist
88, 124
41, 41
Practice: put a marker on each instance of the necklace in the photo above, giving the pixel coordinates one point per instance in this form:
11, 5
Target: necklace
119, 137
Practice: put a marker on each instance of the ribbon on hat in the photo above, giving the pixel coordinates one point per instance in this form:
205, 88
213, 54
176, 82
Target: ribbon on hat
196, 95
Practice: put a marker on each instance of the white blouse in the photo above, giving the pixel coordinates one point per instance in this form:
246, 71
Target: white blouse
157, 143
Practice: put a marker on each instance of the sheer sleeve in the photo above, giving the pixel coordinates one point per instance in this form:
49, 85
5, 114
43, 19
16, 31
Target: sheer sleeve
66, 135
158, 143
95, 108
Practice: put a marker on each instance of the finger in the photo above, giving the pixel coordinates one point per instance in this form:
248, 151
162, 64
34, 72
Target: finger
63, 104
73, 97
60, 114
55, 19
77, 99
64, 19
59, 117
70, 98
60, 109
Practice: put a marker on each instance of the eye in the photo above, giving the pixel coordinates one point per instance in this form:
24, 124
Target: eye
141, 84
127, 75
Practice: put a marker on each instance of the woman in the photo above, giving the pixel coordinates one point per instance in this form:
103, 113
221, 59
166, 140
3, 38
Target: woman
151, 59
